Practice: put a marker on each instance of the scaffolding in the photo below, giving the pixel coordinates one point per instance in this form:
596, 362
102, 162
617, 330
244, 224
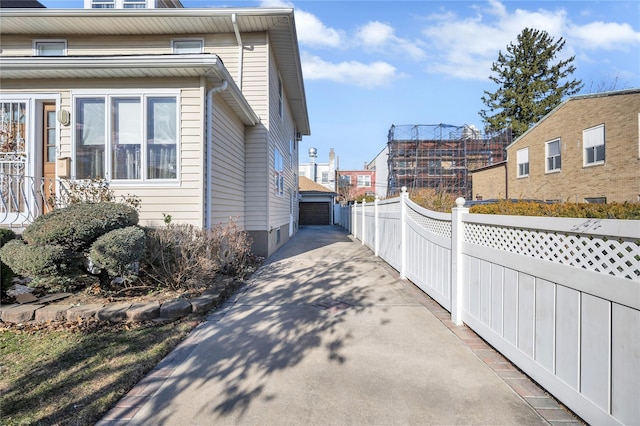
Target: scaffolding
441, 156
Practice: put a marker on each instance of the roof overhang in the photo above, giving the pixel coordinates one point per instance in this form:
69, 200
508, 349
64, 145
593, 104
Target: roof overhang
131, 66
278, 22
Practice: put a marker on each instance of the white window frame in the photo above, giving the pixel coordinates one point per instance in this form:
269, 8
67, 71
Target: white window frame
177, 41
144, 96
592, 139
555, 159
522, 159
40, 42
364, 181
278, 172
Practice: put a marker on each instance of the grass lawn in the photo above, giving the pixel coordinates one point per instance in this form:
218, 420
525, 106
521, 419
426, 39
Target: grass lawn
73, 374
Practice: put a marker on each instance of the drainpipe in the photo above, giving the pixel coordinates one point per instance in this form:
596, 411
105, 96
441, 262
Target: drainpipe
240, 49
209, 149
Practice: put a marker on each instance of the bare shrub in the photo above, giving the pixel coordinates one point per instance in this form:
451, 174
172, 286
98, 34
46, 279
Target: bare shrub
433, 199
181, 256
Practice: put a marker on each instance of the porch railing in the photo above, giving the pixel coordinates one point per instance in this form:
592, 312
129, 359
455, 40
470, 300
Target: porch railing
559, 297
24, 198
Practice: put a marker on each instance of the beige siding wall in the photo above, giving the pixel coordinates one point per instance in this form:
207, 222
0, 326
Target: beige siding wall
490, 183
281, 133
258, 182
227, 166
618, 179
182, 199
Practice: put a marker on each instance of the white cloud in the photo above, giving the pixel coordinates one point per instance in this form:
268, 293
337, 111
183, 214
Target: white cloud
379, 37
603, 35
312, 32
372, 75
465, 47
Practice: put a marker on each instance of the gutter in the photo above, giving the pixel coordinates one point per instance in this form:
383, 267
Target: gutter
240, 48
209, 151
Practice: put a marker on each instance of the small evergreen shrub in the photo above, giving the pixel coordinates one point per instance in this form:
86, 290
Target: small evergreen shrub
34, 261
77, 226
6, 274
116, 251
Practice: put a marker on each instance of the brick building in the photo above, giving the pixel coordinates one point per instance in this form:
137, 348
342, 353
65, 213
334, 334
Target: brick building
585, 150
353, 184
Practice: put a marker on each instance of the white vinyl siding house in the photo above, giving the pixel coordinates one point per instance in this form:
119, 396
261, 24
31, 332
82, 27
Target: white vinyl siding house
226, 122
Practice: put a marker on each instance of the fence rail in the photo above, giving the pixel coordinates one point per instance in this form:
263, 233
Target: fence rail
24, 198
559, 297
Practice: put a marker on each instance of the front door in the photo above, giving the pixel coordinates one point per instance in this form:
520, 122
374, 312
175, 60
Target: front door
48, 154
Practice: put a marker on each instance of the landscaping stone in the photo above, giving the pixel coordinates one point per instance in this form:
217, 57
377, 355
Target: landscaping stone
114, 312
5, 308
143, 311
175, 308
203, 304
83, 312
52, 313
19, 313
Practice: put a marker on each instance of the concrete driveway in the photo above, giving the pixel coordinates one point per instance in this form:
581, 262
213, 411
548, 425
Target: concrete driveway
325, 333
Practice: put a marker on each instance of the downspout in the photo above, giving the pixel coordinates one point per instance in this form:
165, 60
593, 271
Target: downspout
209, 153
240, 49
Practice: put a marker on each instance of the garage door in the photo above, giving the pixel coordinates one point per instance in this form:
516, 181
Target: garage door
314, 214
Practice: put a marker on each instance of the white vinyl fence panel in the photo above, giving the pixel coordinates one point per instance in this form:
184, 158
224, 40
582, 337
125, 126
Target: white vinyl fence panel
559, 297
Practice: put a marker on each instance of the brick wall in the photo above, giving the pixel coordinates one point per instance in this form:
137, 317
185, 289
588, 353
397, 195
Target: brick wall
489, 183
617, 179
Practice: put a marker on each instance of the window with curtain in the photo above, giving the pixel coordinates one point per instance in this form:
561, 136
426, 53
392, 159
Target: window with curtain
554, 158
523, 162
127, 138
593, 142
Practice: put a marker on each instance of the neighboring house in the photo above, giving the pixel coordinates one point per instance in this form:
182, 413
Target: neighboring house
380, 165
198, 112
354, 184
316, 203
490, 182
585, 150
322, 173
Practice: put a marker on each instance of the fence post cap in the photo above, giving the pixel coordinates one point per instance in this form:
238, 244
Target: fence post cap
460, 202
403, 189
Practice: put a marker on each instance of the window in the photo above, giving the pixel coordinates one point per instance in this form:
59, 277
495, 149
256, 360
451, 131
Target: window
280, 98
596, 200
345, 181
554, 158
103, 4
593, 142
278, 174
50, 47
325, 177
187, 46
291, 152
523, 162
134, 4
126, 137
364, 181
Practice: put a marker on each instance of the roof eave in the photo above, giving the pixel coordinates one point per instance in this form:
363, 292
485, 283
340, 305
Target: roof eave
133, 66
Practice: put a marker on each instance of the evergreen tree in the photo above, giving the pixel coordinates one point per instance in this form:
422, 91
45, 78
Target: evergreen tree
531, 82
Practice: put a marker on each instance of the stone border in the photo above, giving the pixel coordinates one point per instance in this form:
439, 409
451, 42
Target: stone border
120, 312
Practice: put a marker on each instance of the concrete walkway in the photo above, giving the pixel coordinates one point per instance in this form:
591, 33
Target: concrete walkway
326, 334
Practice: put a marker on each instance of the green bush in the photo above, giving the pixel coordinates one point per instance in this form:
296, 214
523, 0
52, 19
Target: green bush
76, 227
116, 251
34, 261
629, 211
6, 274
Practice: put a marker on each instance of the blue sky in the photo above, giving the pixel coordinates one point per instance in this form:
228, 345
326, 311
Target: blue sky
370, 64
